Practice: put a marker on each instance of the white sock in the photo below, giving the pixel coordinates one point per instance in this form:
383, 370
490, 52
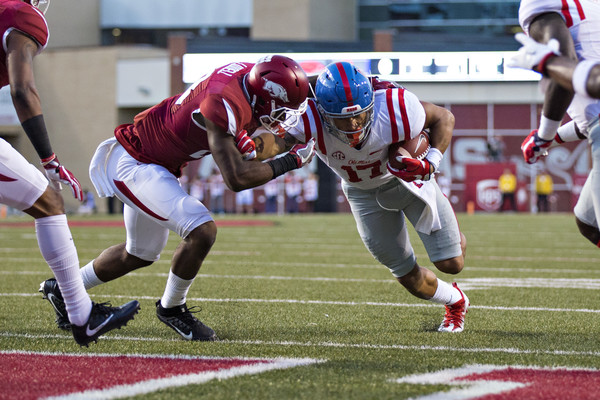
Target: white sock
57, 247
446, 294
176, 291
90, 279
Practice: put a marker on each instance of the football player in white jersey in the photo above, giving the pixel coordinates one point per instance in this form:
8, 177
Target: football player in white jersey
571, 28
353, 126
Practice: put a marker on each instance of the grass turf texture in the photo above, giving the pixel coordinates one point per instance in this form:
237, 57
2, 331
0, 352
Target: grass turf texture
307, 287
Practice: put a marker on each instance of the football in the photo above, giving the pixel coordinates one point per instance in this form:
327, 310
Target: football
416, 147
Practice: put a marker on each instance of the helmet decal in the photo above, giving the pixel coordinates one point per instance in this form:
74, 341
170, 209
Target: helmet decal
275, 90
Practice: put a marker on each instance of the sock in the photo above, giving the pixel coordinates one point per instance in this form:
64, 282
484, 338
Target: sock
57, 247
175, 291
89, 277
446, 294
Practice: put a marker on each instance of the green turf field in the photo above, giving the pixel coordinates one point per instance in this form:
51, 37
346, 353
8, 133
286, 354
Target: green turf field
307, 288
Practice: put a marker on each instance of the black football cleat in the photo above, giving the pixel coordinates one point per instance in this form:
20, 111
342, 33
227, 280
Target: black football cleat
104, 318
181, 320
51, 292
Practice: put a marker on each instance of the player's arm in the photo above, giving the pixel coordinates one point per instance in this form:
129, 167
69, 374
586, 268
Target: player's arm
240, 174
20, 51
569, 73
557, 98
440, 123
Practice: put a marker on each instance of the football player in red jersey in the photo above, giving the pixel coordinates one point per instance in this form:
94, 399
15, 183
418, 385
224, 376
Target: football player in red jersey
22, 185
142, 162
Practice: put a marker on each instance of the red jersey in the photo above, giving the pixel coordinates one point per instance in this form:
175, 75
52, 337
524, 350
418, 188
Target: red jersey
20, 16
167, 135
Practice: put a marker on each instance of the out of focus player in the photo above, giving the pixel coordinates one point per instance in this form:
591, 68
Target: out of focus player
24, 35
353, 126
571, 28
142, 162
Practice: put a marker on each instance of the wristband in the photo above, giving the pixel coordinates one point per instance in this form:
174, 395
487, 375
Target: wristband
548, 128
542, 65
434, 156
35, 128
581, 75
48, 160
282, 165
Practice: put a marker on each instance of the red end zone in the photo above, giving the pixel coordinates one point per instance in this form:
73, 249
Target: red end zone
502, 382
27, 375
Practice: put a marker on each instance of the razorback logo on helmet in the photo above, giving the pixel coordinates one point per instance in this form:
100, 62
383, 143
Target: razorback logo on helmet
511, 382
275, 90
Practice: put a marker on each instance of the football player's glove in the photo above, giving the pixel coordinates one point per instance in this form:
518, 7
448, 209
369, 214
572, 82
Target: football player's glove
303, 152
378, 84
414, 169
533, 55
245, 145
58, 174
534, 147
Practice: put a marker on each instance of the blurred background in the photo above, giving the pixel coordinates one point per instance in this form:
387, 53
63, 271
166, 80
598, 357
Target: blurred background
107, 60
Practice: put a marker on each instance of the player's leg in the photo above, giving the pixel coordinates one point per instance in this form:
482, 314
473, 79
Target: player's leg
446, 249
25, 188
585, 216
594, 177
159, 204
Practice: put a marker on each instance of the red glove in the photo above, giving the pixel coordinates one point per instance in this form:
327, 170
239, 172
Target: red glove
303, 152
245, 145
534, 147
378, 85
58, 174
414, 169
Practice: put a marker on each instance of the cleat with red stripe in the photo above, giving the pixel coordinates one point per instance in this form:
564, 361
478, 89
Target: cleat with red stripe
454, 320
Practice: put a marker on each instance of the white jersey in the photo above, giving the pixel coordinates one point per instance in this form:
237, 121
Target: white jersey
582, 17
398, 116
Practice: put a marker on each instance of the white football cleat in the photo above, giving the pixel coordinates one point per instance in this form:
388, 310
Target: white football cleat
454, 320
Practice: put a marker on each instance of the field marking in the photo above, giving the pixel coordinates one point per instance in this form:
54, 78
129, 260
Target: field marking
337, 303
507, 350
138, 384
465, 283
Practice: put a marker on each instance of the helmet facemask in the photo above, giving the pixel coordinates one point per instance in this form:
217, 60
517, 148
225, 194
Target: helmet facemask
41, 5
282, 119
352, 125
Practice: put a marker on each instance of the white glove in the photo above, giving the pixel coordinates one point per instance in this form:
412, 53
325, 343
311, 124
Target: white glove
532, 53
304, 152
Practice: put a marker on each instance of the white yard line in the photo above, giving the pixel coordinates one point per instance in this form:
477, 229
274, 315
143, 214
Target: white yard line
507, 350
325, 302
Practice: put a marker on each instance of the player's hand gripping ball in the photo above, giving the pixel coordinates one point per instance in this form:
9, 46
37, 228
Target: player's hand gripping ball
416, 147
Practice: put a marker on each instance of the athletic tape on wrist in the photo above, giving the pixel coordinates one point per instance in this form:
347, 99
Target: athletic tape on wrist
434, 156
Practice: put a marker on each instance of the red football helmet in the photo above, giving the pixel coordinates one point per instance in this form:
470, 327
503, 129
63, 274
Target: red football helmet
277, 87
